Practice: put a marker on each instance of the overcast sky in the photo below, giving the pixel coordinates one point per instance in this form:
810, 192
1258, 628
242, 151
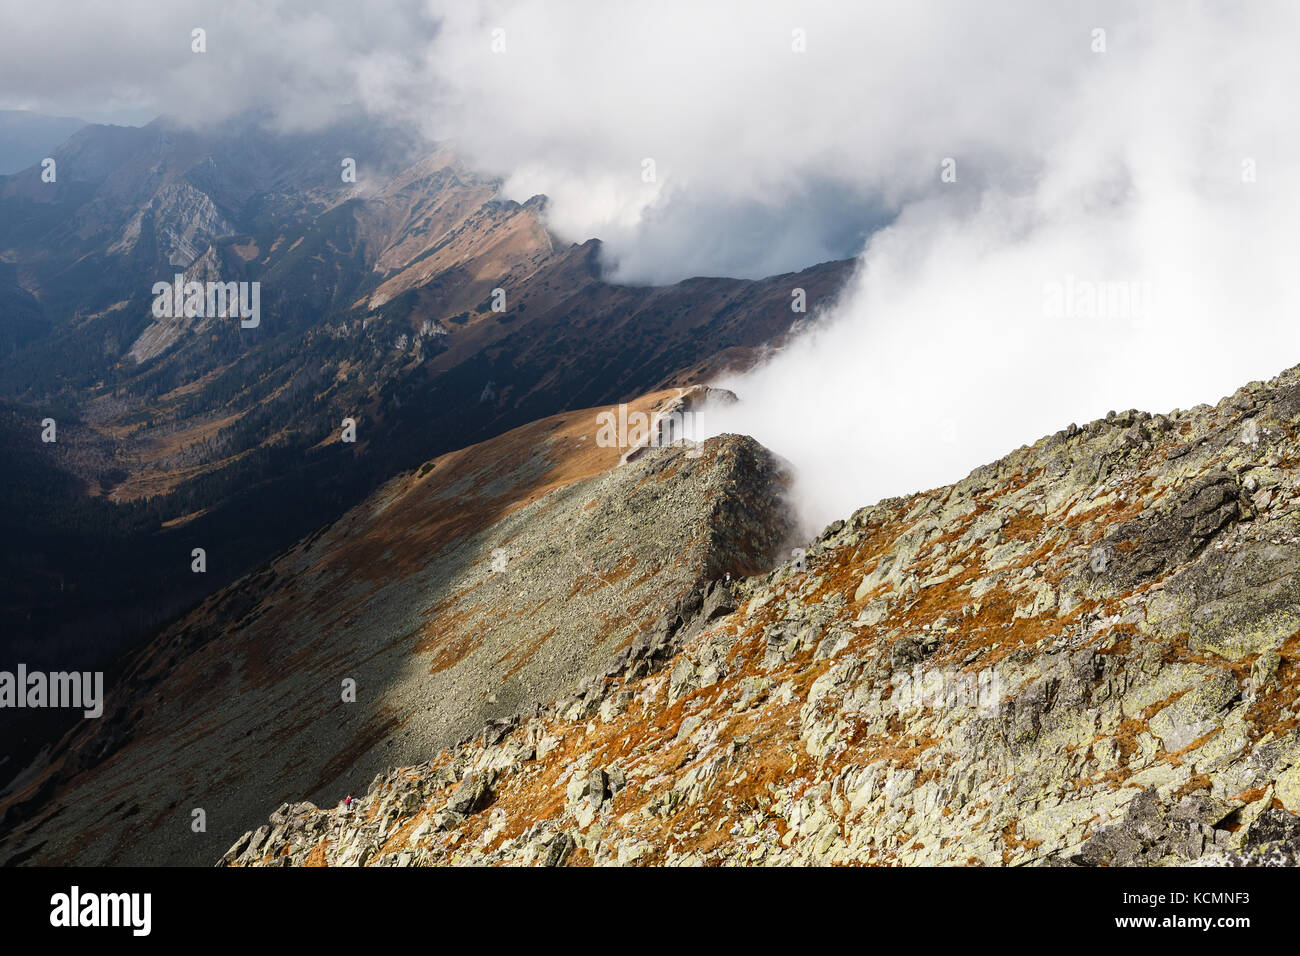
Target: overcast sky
1094, 145
781, 134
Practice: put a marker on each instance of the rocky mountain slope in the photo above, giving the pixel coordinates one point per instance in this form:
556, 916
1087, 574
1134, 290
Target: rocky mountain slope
492, 579
1084, 653
377, 306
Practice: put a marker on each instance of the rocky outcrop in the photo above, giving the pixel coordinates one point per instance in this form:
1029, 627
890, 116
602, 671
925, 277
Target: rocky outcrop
1084, 654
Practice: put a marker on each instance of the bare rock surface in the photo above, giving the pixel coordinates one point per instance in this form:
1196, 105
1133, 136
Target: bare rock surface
1084, 654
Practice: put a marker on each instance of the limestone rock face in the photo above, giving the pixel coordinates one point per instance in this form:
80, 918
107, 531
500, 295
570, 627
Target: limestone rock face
1086, 653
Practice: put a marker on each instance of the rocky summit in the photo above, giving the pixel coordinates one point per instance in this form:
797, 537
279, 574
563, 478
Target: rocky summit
1083, 654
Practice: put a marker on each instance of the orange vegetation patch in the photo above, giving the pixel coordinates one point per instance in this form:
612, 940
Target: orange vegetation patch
1281, 694
318, 855
1013, 843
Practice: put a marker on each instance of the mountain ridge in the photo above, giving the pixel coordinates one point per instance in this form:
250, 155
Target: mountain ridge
484, 582
377, 308
1085, 653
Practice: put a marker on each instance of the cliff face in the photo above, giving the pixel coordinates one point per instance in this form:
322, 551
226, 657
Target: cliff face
491, 580
1084, 653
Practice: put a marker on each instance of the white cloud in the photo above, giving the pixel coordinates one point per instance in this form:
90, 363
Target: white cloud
766, 159
949, 349
1076, 169
300, 62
